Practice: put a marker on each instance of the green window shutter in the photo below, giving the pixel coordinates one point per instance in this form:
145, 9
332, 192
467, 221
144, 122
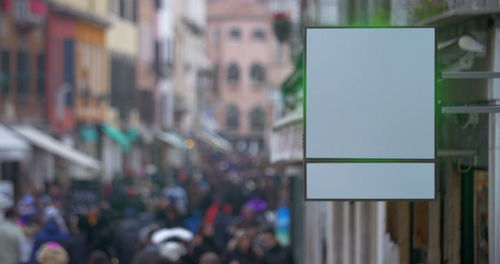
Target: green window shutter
5, 72
41, 74
22, 73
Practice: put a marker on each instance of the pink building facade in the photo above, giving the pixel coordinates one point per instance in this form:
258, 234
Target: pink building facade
250, 65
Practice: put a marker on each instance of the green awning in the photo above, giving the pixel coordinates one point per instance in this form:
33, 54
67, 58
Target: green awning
132, 135
88, 133
115, 134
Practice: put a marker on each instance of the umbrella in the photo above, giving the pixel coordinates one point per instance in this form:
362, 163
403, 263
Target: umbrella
256, 204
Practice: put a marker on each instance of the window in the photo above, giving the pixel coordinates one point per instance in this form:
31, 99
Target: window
69, 68
22, 72
134, 13
257, 73
158, 4
232, 117
259, 34
125, 9
215, 35
121, 4
5, 72
257, 119
280, 52
41, 74
233, 73
114, 7
235, 33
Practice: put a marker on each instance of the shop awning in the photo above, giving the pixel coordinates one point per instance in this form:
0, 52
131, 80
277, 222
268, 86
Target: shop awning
215, 140
115, 134
286, 138
172, 139
293, 117
12, 147
132, 135
51, 145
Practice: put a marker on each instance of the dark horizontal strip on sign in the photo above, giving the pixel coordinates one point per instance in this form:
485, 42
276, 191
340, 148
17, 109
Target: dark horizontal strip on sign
338, 160
470, 75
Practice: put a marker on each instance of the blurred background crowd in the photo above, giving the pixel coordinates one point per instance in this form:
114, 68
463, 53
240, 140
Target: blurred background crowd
214, 219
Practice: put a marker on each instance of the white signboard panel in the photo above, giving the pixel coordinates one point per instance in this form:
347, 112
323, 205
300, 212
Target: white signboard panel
369, 96
370, 181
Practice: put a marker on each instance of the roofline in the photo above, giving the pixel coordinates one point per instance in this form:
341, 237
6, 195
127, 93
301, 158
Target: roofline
237, 17
457, 15
64, 9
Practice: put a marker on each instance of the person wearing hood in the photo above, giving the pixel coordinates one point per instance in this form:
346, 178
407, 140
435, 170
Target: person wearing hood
50, 232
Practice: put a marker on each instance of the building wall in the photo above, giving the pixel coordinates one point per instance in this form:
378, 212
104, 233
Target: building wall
146, 75
122, 40
21, 105
165, 36
190, 62
91, 72
95, 7
223, 50
122, 35
60, 28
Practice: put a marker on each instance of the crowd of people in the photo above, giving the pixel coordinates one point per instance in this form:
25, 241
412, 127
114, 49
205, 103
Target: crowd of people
218, 216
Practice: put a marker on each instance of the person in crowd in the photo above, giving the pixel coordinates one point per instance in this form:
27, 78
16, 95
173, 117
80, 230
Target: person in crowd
241, 250
77, 241
204, 242
30, 221
210, 258
144, 236
274, 253
173, 244
220, 215
11, 237
177, 196
249, 220
171, 217
54, 211
148, 252
98, 257
126, 236
101, 235
51, 253
49, 233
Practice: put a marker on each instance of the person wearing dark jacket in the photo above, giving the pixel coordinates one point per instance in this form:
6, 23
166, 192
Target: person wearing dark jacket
77, 241
204, 242
126, 237
241, 251
49, 233
274, 253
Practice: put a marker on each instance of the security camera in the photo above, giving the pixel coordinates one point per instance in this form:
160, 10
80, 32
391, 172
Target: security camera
468, 43
463, 63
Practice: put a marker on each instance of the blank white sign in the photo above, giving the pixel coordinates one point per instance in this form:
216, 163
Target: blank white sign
379, 181
370, 93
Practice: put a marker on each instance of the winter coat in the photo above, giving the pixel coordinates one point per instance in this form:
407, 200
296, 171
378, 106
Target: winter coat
10, 239
50, 232
277, 255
